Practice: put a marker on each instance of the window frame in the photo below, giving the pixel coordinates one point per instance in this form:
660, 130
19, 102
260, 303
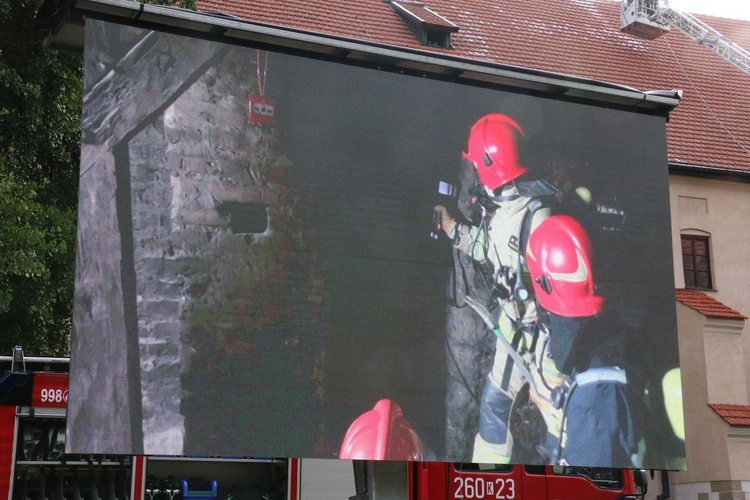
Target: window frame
693, 260
602, 477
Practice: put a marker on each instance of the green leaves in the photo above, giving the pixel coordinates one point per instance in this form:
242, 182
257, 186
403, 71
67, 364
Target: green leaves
185, 4
36, 269
40, 109
40, 113
40, 106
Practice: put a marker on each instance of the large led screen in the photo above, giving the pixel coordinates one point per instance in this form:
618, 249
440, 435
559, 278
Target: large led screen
283, 256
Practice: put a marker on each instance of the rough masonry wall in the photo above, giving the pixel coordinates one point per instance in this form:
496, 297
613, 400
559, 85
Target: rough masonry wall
225, 285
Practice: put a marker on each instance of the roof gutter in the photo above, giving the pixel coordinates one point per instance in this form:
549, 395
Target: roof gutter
706, 172
64, 23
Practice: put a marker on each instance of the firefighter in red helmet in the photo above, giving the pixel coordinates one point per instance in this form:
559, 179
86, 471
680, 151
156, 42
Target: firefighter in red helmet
508, 207
592, 413
558, 256
492, 150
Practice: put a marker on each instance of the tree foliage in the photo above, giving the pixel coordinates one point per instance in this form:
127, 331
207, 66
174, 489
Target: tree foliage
40, 112
40, 109
185, 4
36, 269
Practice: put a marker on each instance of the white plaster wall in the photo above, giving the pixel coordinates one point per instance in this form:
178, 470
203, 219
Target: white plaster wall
705, 434
690, 491
739, 451
725, 365
721, 208
714, 350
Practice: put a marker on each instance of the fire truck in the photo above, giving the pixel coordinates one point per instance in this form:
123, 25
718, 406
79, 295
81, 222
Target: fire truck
34, 465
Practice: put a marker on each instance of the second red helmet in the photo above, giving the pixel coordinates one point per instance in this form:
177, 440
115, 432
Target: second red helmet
558, 255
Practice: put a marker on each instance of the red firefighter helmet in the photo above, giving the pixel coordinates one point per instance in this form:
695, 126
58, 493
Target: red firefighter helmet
493, 151
558, 255
382, 433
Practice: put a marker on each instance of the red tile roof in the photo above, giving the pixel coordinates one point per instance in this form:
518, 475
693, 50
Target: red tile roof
574, 37
424, 13
733, 414
708, 306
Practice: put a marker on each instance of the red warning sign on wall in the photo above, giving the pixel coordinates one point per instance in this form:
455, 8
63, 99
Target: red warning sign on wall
261, 110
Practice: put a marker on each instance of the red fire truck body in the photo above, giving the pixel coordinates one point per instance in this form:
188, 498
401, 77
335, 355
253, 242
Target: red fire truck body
33, 466
509, 482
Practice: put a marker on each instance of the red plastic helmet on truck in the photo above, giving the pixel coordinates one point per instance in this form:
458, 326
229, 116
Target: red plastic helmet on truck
382, 433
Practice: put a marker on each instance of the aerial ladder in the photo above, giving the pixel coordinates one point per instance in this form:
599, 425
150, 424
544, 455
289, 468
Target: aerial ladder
651, 18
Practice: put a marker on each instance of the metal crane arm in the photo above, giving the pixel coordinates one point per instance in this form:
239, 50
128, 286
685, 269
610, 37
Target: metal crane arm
707, 36
651, 18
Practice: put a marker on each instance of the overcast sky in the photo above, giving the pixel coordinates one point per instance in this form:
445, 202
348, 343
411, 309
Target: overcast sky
738, 9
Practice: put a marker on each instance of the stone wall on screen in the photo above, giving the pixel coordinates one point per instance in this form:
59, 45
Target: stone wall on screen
219, 249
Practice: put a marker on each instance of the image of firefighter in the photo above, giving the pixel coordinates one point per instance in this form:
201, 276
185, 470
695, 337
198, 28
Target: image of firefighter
593, 414
508, 208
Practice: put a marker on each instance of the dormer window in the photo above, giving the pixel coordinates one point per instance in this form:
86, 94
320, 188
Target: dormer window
429, 27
